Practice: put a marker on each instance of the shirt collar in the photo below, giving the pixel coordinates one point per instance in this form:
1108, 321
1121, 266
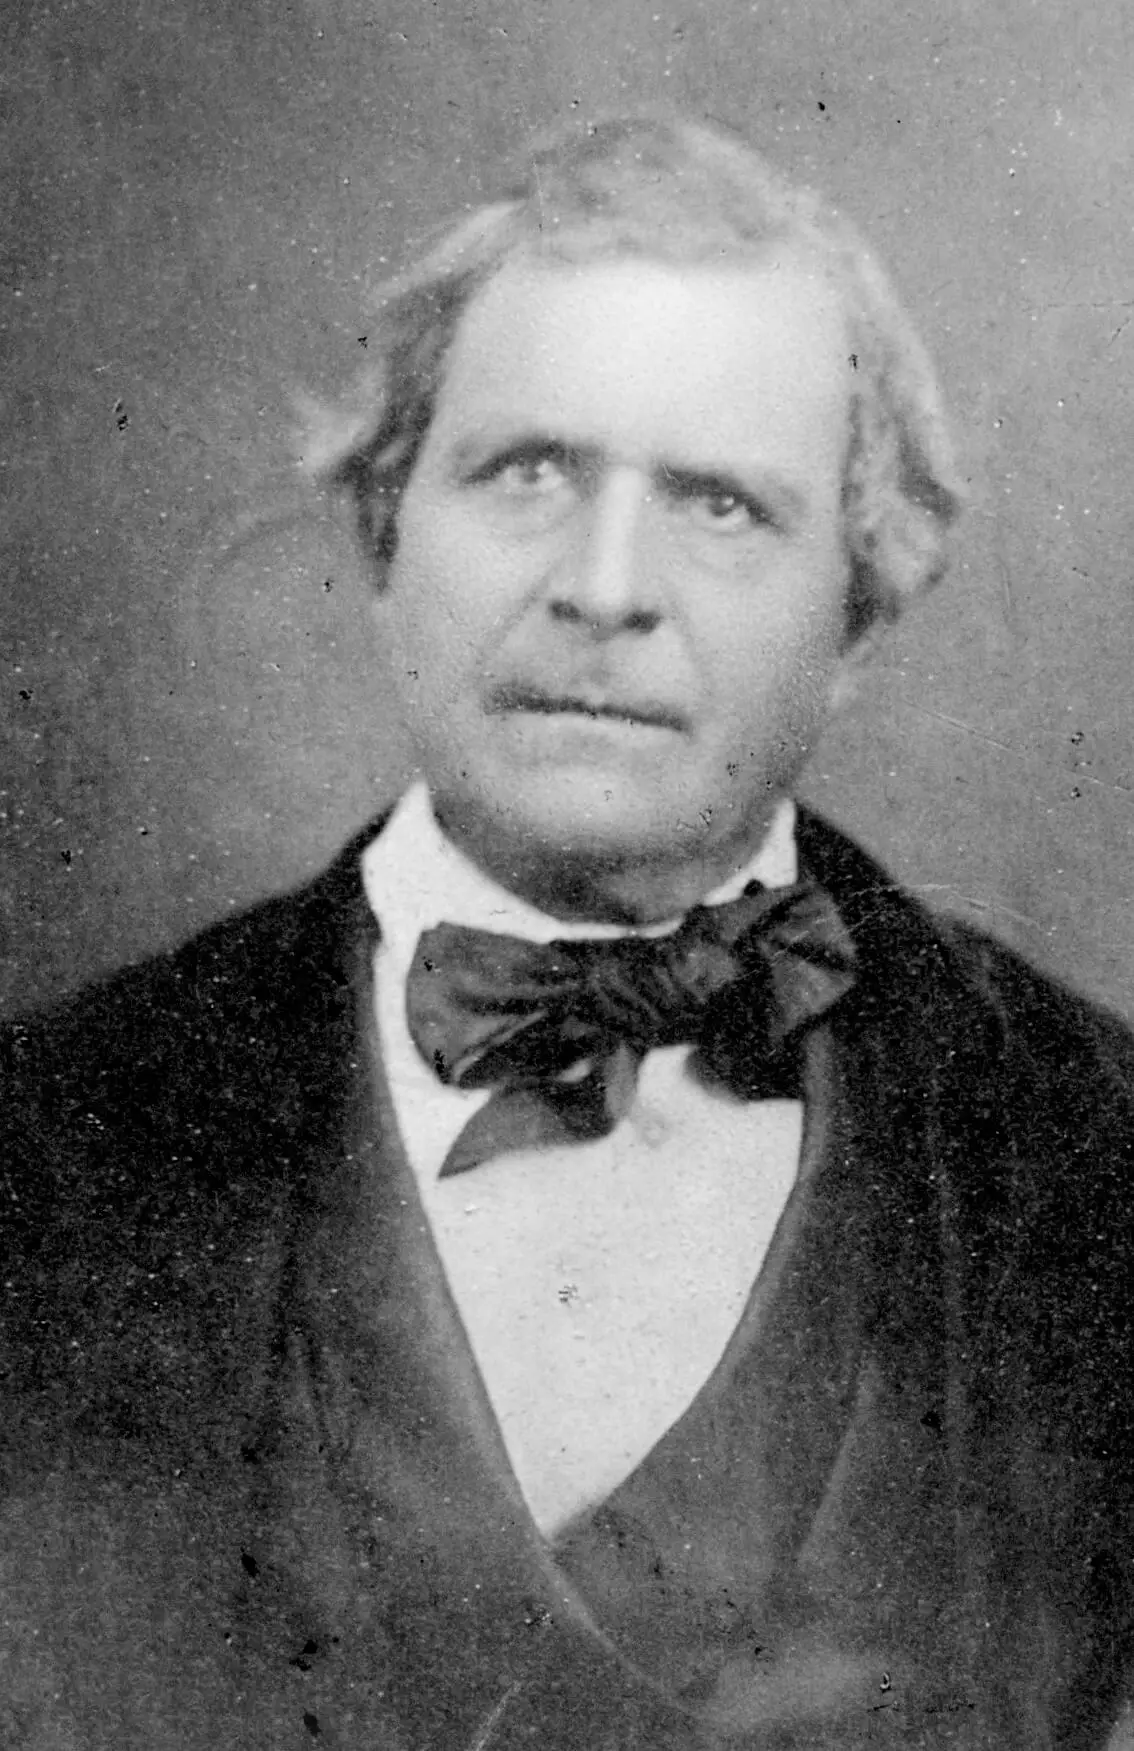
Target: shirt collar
415, 878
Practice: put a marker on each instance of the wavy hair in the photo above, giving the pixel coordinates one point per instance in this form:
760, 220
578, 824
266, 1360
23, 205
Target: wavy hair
682, 193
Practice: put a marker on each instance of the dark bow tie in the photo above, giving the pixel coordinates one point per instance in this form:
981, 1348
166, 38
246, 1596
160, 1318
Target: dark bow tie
558, 1030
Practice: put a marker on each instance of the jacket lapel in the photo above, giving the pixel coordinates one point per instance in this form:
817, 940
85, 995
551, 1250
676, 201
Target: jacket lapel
397, 1529
752, 1537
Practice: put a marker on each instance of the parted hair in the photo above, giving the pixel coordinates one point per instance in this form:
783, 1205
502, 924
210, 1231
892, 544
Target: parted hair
677, 192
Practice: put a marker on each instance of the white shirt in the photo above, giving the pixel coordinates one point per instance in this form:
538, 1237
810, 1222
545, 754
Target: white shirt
598, 1282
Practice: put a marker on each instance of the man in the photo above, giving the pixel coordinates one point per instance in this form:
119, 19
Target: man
600, 1268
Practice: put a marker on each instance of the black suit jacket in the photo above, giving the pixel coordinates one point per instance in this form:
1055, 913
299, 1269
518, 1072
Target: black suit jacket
253, 1491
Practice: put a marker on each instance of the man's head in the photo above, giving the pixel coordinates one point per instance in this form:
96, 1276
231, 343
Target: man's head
645, 451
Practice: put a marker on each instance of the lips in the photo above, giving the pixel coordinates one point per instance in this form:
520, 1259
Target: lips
585, 702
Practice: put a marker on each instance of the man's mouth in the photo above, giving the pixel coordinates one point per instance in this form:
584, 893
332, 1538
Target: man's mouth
653, 713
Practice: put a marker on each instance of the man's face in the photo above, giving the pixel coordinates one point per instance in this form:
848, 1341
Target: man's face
616, 611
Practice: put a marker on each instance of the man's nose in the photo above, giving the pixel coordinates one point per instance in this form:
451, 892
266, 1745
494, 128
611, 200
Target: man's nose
608, 581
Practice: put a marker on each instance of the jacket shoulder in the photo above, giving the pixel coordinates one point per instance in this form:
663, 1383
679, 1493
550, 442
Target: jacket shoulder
222, 1003
1004, 1101
158, 1134
962, 977
1047, 1016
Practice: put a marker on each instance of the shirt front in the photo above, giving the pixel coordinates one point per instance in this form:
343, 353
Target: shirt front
598, 1282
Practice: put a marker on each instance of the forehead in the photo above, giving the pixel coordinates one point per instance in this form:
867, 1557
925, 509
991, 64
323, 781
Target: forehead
653, 362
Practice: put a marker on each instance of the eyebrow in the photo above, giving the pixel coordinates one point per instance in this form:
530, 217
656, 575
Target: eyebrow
769, 486
480, 450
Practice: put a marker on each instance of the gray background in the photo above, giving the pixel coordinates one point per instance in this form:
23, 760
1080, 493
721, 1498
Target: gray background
195, 200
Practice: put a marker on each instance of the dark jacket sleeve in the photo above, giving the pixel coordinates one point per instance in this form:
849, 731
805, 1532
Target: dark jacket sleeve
1054, 1342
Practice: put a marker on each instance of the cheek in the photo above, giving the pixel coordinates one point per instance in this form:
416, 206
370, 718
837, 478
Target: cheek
452, 585
425, 617
772, 678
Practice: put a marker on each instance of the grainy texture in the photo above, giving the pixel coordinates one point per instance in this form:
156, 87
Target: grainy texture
251, 1477
195, 201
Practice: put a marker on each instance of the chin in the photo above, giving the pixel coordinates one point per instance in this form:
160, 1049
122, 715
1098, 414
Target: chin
589, 817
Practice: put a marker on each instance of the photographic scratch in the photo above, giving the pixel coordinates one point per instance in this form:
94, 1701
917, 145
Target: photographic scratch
1109, 785
1006, 587
956, 723
487, 1729
1088, 304
978, 905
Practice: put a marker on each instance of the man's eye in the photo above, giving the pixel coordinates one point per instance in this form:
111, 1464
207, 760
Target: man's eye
531, 475
727, 512
715, 505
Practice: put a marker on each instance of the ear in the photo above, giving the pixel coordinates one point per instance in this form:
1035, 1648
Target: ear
847, 675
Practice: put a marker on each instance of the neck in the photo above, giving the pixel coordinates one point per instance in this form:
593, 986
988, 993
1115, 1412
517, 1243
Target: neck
605, 889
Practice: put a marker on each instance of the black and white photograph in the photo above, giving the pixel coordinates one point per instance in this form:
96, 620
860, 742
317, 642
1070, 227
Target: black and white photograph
566, 876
